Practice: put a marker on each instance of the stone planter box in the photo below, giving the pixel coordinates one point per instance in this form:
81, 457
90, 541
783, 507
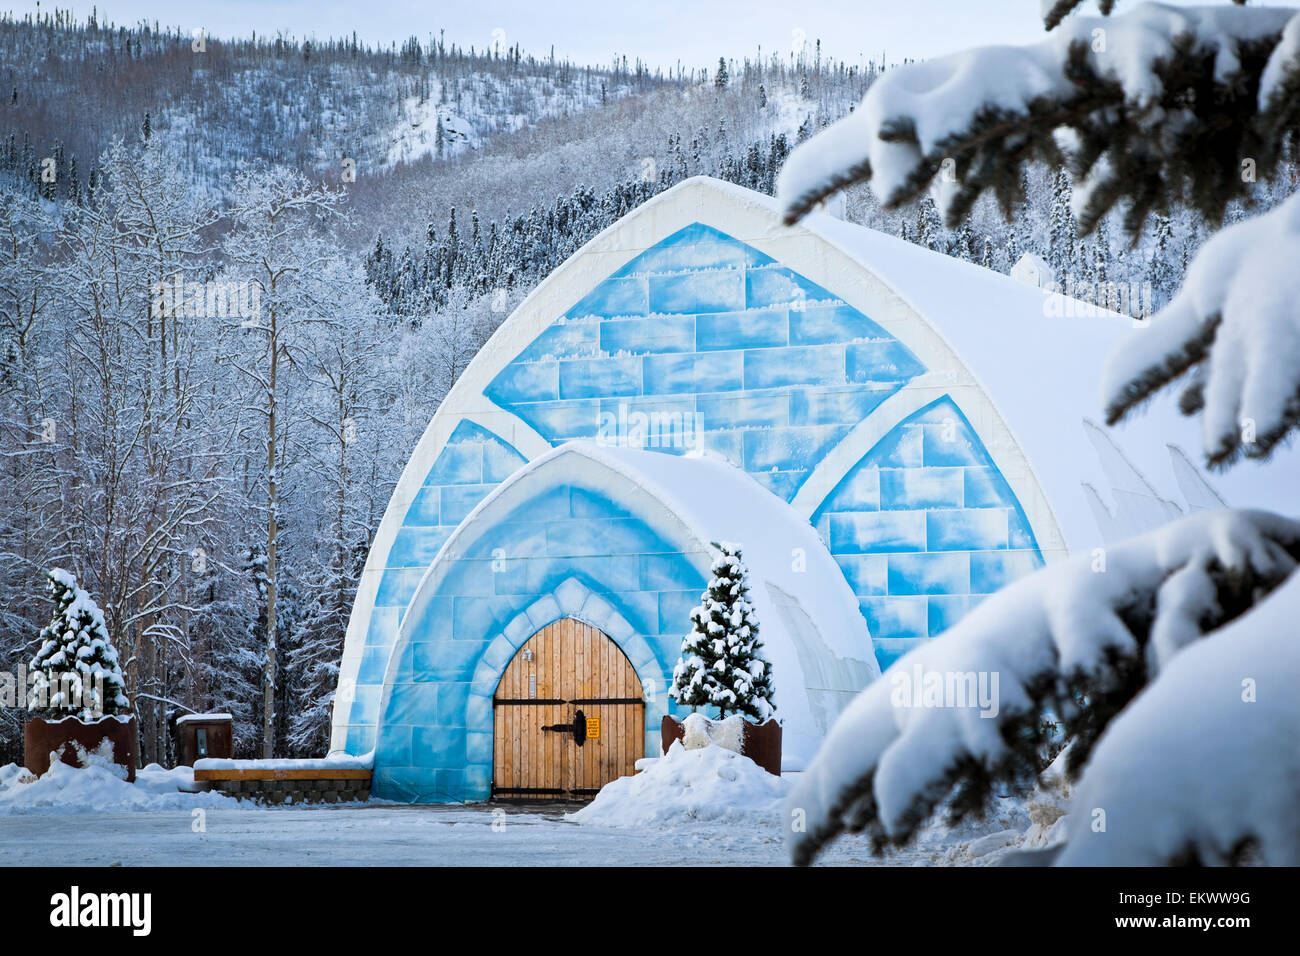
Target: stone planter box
62, 737
761, 743
293, 786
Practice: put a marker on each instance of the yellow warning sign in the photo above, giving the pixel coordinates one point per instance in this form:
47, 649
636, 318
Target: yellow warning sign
593, 728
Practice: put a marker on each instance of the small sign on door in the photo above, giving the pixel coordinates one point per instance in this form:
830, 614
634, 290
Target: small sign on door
593, 728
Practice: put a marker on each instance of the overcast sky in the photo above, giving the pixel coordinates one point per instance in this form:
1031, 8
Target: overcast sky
592, 31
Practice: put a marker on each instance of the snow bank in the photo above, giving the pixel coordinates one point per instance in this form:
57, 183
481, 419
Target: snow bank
711, 785
708, 785
101, 787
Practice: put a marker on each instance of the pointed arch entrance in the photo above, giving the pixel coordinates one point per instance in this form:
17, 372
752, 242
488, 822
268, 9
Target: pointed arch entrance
568, 716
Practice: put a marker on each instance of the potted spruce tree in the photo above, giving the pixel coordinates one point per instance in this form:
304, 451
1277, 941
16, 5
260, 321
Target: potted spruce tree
722, 666
76, 687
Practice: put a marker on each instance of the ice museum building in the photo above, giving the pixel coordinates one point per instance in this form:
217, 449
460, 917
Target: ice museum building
890, 435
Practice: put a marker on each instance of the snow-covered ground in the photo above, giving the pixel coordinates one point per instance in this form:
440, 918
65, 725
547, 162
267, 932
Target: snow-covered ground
374, 834
88, 817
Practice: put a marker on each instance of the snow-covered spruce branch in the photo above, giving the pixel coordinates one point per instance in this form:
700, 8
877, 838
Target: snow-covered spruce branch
1054, 11
1074, 642
1159, 104
1234, 324
1202, 768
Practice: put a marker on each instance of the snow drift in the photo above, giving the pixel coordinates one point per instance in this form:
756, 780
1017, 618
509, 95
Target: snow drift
707, 785
101, 787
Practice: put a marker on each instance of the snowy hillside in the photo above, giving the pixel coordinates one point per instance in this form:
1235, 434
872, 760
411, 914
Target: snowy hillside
310, 104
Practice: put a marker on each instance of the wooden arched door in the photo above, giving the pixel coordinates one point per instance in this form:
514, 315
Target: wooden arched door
569, 716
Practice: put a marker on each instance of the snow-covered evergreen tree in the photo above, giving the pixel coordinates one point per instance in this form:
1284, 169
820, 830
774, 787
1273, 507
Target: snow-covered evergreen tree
1061, 240
76, 670
1160, 272
722, 663
929, 230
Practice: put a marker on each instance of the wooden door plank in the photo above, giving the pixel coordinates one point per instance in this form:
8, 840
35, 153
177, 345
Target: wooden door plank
524, 722
572, 673
583, 690
516, 766
550, 661
590, 668
526, 729
616, 666
608, 684
599, 652
570, 682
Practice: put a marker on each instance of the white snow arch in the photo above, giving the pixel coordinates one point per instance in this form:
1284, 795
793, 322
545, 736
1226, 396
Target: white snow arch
656, 515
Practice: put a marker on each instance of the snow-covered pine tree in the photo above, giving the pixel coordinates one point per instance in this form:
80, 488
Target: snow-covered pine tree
1062, 229
76, 671
963, 244
1160, 271
1173, 109
1101, 260
929, 230
722, 663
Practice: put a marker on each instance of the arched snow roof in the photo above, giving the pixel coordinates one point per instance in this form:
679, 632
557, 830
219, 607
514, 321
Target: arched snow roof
811, 628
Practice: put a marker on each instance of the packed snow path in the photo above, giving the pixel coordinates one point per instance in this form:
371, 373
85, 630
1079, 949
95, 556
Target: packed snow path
397, 836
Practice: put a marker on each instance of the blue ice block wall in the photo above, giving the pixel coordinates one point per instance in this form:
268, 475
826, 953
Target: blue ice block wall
473, 462
923, 527
571, 552
703, 328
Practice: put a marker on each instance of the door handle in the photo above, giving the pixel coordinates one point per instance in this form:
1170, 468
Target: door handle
578, 727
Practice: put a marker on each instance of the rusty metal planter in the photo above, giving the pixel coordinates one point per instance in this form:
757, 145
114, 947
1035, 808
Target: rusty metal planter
761, 743
62, 737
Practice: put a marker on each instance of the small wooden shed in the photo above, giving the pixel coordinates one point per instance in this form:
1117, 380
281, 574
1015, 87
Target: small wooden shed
204, 735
